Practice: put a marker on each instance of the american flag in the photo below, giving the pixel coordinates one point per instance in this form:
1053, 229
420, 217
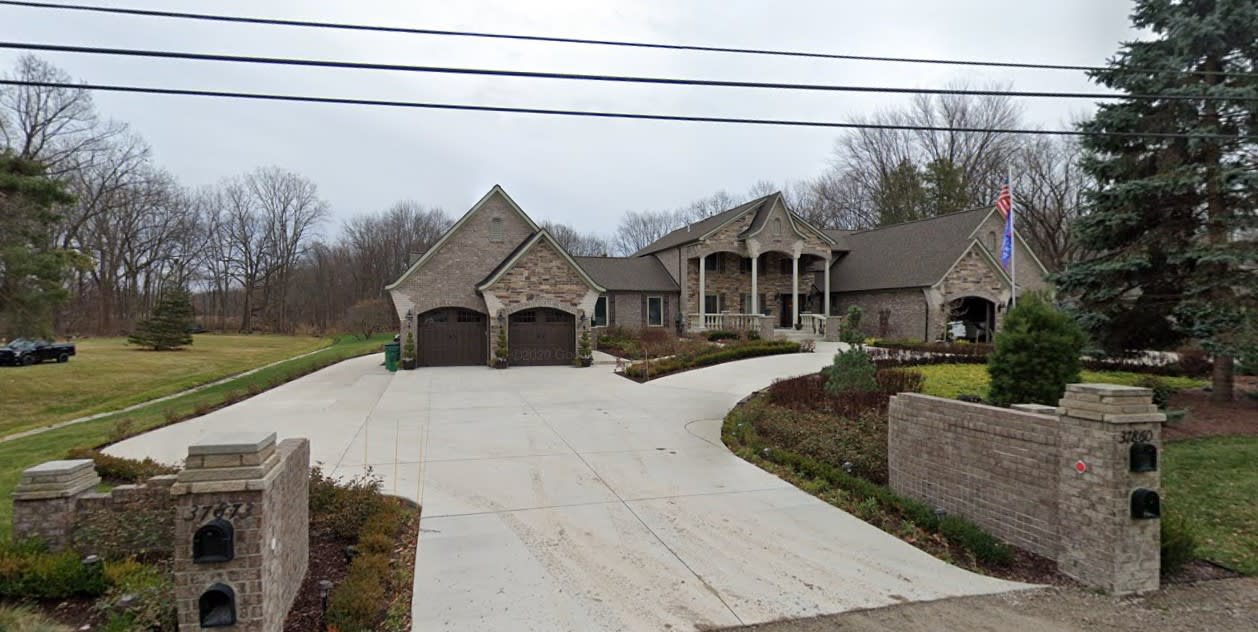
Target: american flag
1004, 201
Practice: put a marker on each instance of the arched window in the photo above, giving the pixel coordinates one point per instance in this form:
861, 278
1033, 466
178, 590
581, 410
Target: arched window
495, 229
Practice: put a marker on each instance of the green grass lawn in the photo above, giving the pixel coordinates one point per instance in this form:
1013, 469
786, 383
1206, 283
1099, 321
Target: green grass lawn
20, 454
107, 374
1214, 483
951, 380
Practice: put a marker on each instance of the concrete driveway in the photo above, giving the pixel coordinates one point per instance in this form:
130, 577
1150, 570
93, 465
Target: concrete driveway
565, 499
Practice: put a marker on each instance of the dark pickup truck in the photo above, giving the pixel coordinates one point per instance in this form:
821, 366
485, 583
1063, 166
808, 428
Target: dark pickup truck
25, 352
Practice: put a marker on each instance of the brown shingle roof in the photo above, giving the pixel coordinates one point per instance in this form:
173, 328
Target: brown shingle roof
912, 254
629, 274
692, 232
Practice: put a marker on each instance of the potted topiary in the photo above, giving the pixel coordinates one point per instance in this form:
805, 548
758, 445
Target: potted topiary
408, 352
500, 349
585, 357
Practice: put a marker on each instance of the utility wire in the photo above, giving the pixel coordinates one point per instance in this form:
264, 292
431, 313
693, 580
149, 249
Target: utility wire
528, 74
597, 42
599, 114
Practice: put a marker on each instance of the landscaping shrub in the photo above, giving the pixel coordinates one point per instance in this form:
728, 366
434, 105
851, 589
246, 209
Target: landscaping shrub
1162, 391
894, 381
807, 346
151, 593
852, 371
860, 440
1179, 542
850, 332
708, 357
1036, 354
721, 334
119, 470
344, 507
27, 571
1194, 363
24, 619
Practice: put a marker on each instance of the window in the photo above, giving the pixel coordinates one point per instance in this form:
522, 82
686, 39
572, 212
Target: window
469, 316
714, 263
784, 266
495, 229
556, 316
600, 312
777, 227
529, 316
655, 311
744, 301
744, 266
712, 304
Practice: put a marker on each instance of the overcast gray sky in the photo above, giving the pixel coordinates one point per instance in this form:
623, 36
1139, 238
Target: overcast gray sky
584, 172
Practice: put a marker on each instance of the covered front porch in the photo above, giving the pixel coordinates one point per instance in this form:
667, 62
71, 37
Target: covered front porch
749, 290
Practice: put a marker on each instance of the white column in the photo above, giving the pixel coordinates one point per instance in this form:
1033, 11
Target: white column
825, 291
794, 289
755, 300
703, 278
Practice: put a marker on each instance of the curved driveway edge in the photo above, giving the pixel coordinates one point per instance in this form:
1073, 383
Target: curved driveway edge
564, 499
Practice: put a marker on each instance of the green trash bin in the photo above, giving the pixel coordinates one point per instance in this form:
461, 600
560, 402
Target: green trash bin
392, 353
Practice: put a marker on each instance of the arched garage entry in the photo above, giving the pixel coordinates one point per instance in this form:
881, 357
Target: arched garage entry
541, 336
452, 336
971, 318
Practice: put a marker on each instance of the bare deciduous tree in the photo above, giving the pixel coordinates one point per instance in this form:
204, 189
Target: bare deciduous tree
575, 242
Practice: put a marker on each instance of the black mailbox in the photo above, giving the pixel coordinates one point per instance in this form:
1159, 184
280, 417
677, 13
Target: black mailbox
1144, 457
215, 541
218, 606
1145, 504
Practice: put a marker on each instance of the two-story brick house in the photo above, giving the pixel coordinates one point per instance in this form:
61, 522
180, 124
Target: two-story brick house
496, 269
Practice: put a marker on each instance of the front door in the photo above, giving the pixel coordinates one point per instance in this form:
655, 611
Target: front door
787, 307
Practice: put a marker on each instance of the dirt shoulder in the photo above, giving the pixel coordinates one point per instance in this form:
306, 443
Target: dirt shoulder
1228, 605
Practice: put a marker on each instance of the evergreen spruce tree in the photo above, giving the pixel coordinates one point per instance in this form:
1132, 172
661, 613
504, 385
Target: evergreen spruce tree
168, 328
1171, 232
1036, 354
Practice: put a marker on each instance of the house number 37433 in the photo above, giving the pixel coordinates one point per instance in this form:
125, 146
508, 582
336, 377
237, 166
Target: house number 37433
220, 510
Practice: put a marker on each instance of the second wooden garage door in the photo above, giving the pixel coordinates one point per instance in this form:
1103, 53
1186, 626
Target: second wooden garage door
541, 336
449, 336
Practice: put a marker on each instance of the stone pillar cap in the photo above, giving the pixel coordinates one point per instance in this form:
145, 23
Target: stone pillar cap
232, 443
1110, 390
54, 468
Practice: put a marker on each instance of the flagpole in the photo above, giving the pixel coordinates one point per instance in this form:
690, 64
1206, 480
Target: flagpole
1013, 244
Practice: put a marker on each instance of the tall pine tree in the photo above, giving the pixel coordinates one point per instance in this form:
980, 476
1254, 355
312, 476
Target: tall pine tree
1170, 235
168, 328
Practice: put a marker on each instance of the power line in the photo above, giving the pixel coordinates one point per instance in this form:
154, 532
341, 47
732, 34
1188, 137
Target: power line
594, 42
528, 74
600, 114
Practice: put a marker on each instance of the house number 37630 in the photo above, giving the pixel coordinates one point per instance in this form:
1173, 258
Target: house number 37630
220, 510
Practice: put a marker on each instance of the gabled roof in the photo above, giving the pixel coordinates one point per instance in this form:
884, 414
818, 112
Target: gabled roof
798, 224
458, 225
912, 254
629, 274
527, 245
839, 237
697, 230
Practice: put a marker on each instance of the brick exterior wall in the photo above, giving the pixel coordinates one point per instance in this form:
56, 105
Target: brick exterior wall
449, 278
50, 520
1057, 485
906, 307
994, 466
129, 520
770, 282
628, 309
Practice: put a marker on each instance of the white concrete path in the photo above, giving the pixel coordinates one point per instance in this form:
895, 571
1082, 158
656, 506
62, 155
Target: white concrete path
564, 499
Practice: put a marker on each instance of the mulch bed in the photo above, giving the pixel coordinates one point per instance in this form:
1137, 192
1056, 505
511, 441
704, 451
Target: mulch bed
1208, 418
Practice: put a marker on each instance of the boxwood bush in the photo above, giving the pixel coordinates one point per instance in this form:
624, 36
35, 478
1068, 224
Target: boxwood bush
646, 370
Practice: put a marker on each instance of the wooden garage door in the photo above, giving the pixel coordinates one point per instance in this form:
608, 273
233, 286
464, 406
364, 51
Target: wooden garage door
450, 336
541, 336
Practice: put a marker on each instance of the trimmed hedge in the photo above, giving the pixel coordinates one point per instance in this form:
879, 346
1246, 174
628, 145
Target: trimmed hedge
644, 370
119, 470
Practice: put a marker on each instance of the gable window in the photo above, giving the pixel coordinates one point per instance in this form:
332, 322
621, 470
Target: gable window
655, 311
600, 312
496, 229
777, 227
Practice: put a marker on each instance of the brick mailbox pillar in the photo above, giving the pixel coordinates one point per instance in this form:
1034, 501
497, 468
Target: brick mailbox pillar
833, 325
1108, 485
45, 497
241, 531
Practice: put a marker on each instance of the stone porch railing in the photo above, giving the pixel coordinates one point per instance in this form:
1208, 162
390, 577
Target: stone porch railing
726, 322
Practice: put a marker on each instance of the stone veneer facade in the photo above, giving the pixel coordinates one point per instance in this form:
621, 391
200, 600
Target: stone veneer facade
1057, 485
541, 277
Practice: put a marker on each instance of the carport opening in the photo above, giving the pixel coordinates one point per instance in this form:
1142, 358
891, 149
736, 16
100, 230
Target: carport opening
971, 318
